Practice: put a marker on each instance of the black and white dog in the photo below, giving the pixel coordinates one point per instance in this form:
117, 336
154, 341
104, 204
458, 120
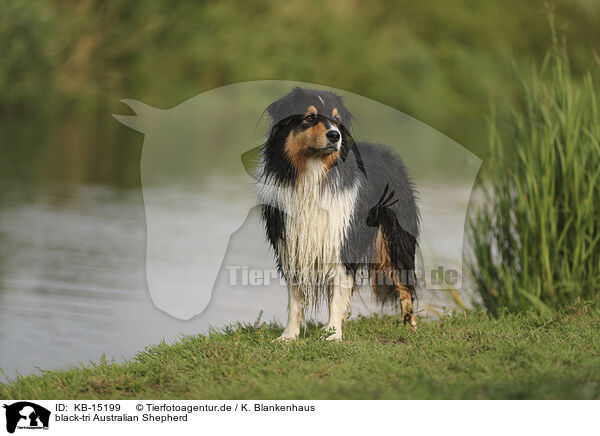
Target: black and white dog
331, 207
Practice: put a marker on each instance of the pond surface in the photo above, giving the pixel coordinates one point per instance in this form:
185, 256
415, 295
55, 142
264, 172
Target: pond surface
73, 229
73, 284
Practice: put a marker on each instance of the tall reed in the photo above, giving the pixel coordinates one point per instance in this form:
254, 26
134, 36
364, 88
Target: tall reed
535, 238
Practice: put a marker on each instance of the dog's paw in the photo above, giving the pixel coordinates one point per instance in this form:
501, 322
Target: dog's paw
413, 325
286, 338
409, 319
335, 337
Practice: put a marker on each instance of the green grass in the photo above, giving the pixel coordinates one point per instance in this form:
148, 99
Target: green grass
536, 237
468, 355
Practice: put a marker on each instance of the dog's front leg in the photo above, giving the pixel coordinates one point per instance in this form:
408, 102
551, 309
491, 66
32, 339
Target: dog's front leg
295, 311
339, 304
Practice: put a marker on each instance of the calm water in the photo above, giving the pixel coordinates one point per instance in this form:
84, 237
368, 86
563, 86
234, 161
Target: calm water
73, 286
73, 283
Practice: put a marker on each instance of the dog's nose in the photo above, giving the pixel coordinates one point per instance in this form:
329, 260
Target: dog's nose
333, 135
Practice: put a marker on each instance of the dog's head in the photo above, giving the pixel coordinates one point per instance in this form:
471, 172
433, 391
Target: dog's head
309, 124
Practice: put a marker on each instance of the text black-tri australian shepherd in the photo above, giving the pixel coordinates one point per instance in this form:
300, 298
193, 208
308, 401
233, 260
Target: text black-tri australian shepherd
333, 207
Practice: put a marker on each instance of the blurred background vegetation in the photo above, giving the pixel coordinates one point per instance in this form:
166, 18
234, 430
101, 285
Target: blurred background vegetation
441, 62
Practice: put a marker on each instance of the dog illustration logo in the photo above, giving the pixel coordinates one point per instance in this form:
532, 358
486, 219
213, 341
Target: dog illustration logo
26, 415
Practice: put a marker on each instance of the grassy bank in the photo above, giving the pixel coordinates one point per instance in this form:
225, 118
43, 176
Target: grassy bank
465, 356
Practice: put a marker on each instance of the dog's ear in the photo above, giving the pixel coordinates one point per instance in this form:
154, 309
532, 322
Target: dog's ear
277, 109
284, 107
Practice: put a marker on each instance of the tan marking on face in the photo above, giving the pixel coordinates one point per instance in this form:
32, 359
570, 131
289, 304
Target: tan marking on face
294, 148
333, 157
297, 145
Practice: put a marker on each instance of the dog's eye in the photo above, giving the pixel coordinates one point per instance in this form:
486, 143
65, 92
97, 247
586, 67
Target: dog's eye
309, 119
337, 120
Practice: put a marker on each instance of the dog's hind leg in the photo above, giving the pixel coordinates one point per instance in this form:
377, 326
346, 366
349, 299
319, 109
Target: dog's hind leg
391, 281
406, 304
339, 304
296, 303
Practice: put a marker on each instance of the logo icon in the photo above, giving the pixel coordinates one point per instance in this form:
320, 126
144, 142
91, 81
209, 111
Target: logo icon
26, 415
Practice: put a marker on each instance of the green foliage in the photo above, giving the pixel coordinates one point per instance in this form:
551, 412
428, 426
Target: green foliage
439, 61
28, 62
467, 355
535, 240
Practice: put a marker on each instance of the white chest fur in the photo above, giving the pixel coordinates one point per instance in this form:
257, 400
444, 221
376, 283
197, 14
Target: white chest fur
317, 218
